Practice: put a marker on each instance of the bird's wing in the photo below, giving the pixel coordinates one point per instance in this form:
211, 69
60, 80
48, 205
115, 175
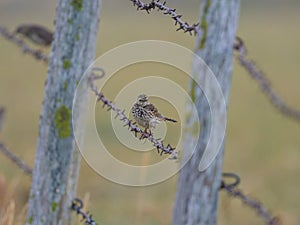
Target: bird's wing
151, 108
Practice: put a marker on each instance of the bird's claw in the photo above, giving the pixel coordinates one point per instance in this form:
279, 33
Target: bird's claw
145, 134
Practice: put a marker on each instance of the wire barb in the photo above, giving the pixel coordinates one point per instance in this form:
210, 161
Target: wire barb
77, 206
263, 82
161, 6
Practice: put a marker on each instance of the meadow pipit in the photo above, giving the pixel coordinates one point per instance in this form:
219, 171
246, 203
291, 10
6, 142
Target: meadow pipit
146, 114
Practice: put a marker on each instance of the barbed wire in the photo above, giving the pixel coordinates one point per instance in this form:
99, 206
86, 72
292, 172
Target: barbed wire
239, 46
157, 143
264, 82
37, 54
254, 204
161, 6
15, 159
77, 206
231, 188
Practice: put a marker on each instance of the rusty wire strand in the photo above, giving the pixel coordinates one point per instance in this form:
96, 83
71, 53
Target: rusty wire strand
15, 159
37, 54
77, 206
157, 143
236, 180
254, 204
233, 191
161, 6
264, 82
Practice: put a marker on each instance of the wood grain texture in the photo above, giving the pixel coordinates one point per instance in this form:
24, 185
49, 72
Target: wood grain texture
197, 192
57, 161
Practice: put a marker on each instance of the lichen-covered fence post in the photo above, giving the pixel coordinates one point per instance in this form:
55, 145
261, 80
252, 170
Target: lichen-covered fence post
197, 195
57, 161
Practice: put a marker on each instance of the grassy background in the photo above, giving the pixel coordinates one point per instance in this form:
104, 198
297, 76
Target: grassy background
262, 145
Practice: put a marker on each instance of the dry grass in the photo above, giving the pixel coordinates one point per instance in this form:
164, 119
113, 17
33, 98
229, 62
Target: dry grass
9, 215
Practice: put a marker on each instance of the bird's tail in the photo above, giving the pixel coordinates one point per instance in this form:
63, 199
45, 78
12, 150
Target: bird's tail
171, 120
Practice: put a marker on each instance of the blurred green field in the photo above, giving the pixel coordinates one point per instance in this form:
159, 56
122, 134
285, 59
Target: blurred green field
262, 146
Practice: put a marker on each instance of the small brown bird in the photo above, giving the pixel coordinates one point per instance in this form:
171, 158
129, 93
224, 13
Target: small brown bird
36, 33
146, 114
